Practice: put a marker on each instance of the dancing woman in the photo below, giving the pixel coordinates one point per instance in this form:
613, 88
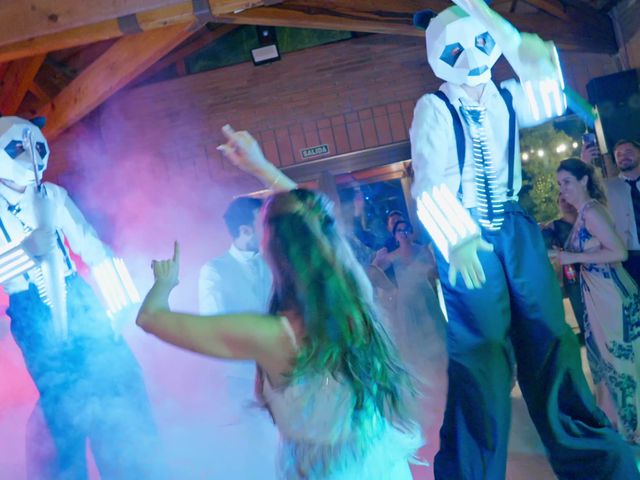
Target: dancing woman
331, 377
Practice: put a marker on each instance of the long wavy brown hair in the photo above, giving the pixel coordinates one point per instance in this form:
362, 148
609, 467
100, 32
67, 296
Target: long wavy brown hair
316, 273
580, 169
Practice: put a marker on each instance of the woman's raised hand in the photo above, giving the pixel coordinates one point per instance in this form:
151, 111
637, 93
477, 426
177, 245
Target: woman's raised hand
166, 272
243, 151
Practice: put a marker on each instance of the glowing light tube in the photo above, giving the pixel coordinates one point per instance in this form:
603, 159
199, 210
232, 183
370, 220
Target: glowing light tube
546, 96
14, 261
446, 220
115, 284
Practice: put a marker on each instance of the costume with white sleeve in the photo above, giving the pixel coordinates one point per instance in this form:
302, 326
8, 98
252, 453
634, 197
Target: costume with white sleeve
245, 441
90, 385
465, 156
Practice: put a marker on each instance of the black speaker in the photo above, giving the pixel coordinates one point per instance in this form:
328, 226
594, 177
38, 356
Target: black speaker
617, 98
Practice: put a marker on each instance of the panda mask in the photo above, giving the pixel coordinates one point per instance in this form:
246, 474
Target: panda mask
459, 48
15, 159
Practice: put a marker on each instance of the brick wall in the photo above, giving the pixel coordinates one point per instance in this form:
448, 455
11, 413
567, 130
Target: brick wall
350, 96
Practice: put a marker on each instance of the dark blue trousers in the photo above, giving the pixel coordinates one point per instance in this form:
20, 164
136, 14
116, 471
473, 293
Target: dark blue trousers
519, 312
91, 388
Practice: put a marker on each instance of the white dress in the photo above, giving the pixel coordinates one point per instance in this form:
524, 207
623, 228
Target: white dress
323, 437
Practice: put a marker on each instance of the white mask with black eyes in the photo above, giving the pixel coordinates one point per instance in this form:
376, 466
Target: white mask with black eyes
15, 159
459, 48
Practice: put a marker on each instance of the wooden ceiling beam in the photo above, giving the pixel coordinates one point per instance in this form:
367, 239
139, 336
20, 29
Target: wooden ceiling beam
23, 23
23, 20
576, 29
16, 82
46, 42
121, 63
222, 7
378, 16
3, 68
39, 92
552, 7
592, 33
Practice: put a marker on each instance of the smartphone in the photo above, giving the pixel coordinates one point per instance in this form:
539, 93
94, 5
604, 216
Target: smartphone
589, 139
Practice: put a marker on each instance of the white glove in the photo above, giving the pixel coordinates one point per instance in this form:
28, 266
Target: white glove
464, 259
40, 242
533, 59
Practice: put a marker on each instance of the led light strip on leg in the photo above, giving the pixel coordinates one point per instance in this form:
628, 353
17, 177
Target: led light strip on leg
446, 220
14, 261
115, 284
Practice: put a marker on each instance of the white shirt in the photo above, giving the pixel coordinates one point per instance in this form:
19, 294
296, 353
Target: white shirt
69, 223
433, 146
620, 205
212, 299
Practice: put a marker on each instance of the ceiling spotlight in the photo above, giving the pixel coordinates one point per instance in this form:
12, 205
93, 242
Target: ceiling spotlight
268, 51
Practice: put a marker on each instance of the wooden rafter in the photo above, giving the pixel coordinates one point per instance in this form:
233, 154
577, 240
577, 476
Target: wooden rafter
574, 29
78, 61
48, 41
393, 18
16, 82
552, 7
121, 63
223, 7
25, 21
3, 68
593, 32
39, 92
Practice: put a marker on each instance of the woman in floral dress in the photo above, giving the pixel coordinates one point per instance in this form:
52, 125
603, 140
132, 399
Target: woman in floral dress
610, 296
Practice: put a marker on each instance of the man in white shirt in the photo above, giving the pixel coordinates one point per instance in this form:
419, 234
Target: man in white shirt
240, 281
464, 141
623, 198
90, 385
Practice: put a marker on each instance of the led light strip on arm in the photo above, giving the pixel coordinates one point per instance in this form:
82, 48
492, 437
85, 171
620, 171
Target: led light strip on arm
446, 220
115, 284
14, 261
547, 92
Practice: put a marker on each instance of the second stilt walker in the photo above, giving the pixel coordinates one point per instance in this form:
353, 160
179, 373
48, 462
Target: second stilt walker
464, 141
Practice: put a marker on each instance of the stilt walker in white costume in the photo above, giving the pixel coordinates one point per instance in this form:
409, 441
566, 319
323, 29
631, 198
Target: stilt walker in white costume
90, 385
498, 284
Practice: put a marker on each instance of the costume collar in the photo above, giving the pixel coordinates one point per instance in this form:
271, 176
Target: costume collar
457, 94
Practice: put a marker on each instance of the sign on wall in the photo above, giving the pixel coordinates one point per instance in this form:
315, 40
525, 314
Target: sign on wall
314, 151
